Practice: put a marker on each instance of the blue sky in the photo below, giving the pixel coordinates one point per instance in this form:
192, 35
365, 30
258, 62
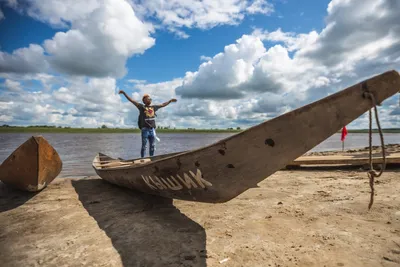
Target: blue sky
229, 63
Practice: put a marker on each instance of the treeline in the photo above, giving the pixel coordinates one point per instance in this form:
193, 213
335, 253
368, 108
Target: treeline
117, 128
389, 130
104, 129
35, 126
165, 129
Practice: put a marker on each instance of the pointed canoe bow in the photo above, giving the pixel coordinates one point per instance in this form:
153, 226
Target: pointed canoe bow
221, 171
32, 166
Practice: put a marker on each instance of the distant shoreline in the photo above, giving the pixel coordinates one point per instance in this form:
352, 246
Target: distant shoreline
106, 130
49, 129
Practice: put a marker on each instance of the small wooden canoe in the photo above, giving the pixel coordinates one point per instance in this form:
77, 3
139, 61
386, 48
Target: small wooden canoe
32, 166
223, 170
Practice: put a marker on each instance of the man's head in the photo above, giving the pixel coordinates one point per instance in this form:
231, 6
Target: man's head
146, 99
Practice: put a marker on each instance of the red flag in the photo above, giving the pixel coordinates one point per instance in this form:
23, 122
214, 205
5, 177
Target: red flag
344, 133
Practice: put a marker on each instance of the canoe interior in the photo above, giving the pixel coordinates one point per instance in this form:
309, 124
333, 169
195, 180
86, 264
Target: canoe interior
102, 161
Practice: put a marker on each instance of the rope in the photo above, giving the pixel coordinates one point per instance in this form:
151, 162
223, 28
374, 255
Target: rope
371, 172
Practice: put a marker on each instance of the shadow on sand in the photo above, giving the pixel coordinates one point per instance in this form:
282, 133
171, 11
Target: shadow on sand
11, 198
145, 230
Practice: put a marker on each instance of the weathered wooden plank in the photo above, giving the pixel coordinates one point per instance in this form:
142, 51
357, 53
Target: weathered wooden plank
327, 160
32, 166
223, 170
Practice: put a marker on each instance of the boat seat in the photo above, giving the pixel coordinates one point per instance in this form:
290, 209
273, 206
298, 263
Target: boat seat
141, 161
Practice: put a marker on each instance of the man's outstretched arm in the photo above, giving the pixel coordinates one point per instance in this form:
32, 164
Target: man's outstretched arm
167, 103
130, 99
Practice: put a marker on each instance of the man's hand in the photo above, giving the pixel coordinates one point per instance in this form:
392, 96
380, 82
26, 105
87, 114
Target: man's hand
130, 99
167, 103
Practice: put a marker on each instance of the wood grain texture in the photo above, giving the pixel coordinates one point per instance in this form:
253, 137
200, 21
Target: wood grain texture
351, 160
223, 170
49, 163
21, 167
32, 166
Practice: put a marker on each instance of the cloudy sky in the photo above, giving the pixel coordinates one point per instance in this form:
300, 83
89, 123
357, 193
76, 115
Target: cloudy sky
229, 63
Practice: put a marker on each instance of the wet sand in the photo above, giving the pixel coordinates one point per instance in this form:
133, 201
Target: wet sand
303, 217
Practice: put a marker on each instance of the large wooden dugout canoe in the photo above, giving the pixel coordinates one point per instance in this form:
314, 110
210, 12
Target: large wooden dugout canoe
32, 166
223, 170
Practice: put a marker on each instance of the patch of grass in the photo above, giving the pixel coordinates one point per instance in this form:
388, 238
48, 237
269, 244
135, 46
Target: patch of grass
53, 129
390, 130
34, 129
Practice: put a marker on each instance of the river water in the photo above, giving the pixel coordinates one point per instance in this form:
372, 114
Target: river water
78, 150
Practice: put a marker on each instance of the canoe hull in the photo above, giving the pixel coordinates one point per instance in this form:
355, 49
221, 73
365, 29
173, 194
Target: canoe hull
222, 171
32, 166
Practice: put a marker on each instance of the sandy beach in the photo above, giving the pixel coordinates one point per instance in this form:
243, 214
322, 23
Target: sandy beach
300, 217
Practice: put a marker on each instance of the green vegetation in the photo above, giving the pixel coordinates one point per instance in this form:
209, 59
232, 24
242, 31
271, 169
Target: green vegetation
389, 130
104, 129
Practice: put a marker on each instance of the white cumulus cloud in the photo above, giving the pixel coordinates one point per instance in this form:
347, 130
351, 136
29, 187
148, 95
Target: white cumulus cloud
101, 42
260, 6
12, 85
102, 35
24, 60
206, 14
261, 75
361, 39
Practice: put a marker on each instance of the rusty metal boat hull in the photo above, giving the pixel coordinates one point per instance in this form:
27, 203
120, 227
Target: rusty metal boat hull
221, 171
32, 166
